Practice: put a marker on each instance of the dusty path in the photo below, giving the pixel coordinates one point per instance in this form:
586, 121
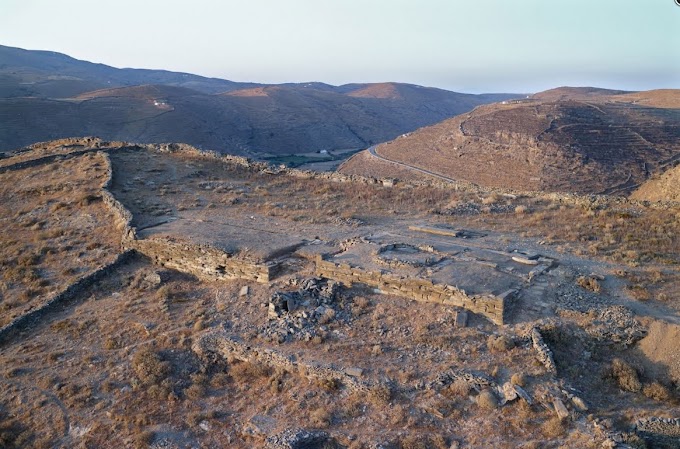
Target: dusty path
372, 152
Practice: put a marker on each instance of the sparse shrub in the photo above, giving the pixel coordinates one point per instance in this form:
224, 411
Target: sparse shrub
553, 428
626, 376
329, 383
327, 316
639, 292
321, 417
163, 293
487, 400
381, 394
195, 391
657, 391
248, 371
353, 406
360, 305
589, 283
276, 381
111, 343
150, 367
491, 199
459, 388
520, 210
420, 441
144, 439
500, 343
519, 379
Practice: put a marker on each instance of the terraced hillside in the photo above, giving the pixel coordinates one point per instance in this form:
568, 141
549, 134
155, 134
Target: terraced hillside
558, 141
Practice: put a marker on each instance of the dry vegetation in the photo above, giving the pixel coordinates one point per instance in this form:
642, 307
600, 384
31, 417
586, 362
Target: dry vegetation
55, 229
116, 367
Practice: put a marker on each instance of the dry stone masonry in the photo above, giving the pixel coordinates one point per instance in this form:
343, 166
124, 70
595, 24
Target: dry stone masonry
543, 352
664, 432
219, 342
203, 261
492, 307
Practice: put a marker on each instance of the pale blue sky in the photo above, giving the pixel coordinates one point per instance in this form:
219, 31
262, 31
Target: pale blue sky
461, 45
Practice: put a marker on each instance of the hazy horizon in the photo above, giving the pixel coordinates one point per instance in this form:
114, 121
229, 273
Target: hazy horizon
482, 46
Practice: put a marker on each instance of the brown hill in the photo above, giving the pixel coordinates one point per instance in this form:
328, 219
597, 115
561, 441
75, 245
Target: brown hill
50, 74
575, 93
379, 90
277, 119
603, 145
665, 187
660, 98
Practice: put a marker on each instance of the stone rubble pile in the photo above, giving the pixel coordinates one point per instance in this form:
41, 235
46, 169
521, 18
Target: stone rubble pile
298, 439
617, 325
476, 381
476, 209
303, 314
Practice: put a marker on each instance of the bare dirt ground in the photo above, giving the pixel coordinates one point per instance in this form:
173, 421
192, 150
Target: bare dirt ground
117, 365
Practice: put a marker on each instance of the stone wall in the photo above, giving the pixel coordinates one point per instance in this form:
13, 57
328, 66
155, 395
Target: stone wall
219, 342
202, 261
62, 298
123, 215
543, 352
492, 307
661, 432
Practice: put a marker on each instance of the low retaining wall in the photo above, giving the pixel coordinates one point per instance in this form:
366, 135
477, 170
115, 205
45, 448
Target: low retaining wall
663, 432
492, 307
62, 298
218, 342
202, 261
543, 352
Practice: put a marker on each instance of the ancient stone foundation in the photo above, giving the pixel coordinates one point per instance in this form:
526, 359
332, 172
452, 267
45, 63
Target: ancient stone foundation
203, 261
492, 307
218, 342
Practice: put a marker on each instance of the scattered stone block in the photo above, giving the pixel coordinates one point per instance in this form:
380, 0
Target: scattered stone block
579, 403
245, 290
524, 260
461, 318
507, 393
560, 408
521, 392
354, 371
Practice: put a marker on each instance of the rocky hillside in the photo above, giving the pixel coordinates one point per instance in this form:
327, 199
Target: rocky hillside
576, 140
46, 95
665, 187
